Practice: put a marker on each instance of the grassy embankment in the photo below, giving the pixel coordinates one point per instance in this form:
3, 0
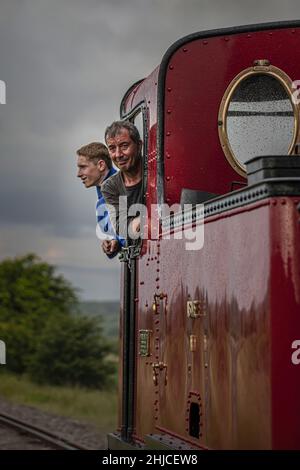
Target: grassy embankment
94, 406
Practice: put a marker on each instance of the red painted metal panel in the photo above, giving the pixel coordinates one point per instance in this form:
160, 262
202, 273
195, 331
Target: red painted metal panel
196, 80
285, 305
232, 272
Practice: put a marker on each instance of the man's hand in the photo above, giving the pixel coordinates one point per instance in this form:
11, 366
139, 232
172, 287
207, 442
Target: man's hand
135, 227
110, 246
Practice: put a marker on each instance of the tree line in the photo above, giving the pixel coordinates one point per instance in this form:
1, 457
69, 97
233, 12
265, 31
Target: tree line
45, 334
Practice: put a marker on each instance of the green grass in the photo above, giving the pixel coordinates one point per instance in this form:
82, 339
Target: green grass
96, 407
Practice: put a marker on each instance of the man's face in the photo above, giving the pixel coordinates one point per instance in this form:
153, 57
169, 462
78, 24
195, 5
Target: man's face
89, 172
123, 151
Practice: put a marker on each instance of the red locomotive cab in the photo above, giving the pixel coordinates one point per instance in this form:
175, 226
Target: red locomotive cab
210, 325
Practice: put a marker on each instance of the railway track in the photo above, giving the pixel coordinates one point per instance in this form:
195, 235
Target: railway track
41, 434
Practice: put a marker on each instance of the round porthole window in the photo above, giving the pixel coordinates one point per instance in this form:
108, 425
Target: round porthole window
257, 116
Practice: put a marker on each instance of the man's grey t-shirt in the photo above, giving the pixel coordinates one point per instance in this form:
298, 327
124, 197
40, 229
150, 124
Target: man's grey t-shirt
112, 189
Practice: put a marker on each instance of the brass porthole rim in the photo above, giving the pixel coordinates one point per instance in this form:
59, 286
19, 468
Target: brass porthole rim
271, 70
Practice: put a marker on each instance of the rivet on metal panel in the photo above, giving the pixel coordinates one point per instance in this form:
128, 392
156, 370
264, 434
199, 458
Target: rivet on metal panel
283, 202
205, 42
248, 35
169, 89
168, 133
142, 283
171, 67
270, 34
293, 31
226, 38
168, 178
169, 111
184, 49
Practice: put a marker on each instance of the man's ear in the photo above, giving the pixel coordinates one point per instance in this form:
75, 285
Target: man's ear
101, 165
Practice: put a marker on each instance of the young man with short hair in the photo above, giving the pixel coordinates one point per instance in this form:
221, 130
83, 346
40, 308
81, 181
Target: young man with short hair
94, 167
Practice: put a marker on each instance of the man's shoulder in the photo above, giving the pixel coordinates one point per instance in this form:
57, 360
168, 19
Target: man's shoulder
112, 183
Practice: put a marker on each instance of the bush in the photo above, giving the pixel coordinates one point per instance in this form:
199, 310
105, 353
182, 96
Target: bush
72, 351
42, 335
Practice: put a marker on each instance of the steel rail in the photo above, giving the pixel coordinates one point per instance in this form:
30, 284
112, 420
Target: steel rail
42, 433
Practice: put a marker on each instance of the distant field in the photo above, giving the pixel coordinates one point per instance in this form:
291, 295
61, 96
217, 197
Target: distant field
109, 311
94, 406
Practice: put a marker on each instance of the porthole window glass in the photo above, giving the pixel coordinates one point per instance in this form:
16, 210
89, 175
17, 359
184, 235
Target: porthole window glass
259, 109
257, 116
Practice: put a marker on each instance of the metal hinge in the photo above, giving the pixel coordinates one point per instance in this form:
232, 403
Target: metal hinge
157, 367
196, 308
156, 302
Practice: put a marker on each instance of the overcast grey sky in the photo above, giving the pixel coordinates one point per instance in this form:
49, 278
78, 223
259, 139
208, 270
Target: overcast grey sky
67, 64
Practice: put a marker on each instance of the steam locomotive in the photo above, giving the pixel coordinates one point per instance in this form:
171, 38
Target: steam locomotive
210, 337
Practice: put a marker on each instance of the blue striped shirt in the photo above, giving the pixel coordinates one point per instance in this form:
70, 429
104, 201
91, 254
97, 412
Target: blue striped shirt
103, 220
